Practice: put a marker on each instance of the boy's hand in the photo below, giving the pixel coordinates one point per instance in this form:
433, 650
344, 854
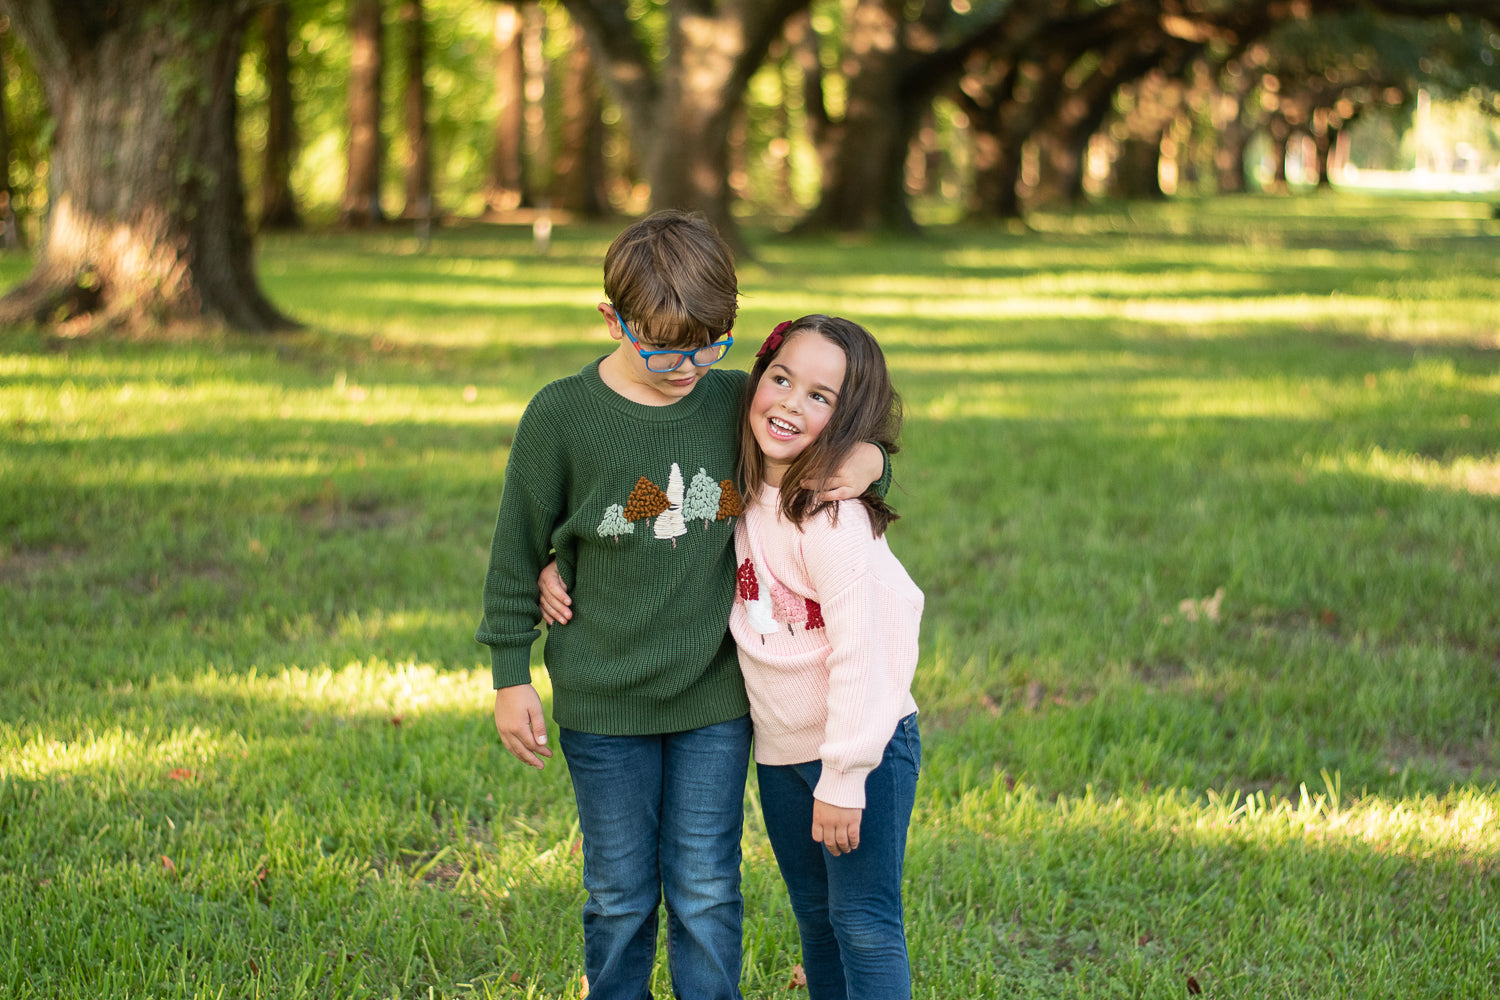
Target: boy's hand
865, 465
521, 724
835, 827
556, 604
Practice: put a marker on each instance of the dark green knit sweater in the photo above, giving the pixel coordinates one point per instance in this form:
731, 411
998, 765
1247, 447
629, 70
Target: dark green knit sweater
638, 504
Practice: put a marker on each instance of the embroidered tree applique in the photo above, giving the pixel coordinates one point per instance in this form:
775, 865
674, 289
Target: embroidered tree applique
669, 523
787, 607
730, 503
814, 615
646, 500
745, 582
757, 604
614, 523
702, 501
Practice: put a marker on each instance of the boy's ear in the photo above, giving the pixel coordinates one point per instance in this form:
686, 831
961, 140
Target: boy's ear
612, 320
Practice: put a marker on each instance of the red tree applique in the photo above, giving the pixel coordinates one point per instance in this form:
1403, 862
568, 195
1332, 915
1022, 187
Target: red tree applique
730, 504
646, 500
814, 614
749, 587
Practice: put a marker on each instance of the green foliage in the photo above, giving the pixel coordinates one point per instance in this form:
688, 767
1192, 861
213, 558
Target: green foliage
1202, 496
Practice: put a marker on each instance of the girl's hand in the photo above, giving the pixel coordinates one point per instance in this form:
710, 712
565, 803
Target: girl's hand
865, 465
556, 604
836, 827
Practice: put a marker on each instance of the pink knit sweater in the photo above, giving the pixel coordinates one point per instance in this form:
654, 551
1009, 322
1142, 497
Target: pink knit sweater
826, 621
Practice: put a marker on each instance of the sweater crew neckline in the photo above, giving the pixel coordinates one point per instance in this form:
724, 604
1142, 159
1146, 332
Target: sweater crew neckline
683, 409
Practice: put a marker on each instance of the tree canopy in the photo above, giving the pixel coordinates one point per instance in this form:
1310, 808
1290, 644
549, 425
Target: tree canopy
133, 126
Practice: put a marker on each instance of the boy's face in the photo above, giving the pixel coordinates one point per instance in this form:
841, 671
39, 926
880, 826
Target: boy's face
661, 387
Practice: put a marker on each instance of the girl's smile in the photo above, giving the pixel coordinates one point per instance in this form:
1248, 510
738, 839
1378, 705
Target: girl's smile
795, 399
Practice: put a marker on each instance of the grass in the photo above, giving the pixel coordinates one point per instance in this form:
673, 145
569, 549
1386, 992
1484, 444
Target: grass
1204, 497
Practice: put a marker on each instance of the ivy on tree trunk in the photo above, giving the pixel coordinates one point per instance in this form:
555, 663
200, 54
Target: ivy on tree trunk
146, 222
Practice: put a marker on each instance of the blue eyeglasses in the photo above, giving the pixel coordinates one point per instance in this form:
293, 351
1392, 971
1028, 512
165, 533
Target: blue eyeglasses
671, 360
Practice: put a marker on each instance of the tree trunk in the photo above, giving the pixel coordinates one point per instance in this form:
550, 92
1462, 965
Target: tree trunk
147, 219
10, 231
419, 201
1137, 172
505, 187
864, 188
687, 161
1281, 134
366, 146
679, 110
578, 181
278, 205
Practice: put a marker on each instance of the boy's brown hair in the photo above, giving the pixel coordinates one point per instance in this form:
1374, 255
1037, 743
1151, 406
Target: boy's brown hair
671, 275
868, 409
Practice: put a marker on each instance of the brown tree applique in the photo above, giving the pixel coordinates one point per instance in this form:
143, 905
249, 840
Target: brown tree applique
730, 504
646, 500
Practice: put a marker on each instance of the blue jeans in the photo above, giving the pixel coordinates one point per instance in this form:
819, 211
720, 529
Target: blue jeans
848, 907
661, 816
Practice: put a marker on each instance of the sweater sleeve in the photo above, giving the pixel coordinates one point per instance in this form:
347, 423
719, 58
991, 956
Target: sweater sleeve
866, 629
531, 506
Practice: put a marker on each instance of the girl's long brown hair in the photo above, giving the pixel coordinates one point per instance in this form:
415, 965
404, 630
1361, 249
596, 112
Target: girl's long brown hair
868, 409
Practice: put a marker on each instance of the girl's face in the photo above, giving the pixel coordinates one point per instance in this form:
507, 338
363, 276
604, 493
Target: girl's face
795, 399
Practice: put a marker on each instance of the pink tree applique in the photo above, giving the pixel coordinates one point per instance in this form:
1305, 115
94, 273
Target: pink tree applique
787, 607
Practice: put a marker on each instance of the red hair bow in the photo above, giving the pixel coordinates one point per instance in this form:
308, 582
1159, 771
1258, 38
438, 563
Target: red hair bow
774, 340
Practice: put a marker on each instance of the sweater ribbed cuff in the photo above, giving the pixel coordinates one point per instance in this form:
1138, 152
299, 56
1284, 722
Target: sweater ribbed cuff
510, 665
845, 789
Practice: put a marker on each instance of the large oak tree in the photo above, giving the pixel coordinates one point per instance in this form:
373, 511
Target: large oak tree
146, 220
679, 106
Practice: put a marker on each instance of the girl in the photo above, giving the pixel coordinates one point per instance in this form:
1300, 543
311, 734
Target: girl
826, 621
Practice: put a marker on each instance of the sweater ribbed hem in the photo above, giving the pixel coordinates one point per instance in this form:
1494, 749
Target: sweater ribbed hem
716, 698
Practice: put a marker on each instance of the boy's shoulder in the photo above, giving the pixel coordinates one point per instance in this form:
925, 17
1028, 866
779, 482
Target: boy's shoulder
724, 380
564, 391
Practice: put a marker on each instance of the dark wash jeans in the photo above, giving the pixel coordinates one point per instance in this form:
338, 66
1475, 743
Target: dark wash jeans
848, 907
661, 816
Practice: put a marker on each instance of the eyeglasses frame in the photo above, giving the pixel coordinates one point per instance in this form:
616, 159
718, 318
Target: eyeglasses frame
726, 343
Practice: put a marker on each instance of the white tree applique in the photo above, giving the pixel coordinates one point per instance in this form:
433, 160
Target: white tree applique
670, 524
702, 502
757, 600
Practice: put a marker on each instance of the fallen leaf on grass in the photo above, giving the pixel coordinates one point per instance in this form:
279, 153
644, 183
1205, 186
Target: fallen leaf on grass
168, 866
799, 979
1193, 987
1193, 608
181, 774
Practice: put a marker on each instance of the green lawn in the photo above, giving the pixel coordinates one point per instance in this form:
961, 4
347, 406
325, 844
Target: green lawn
1205, 498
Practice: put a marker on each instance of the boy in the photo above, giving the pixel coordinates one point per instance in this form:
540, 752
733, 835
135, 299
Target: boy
625, 472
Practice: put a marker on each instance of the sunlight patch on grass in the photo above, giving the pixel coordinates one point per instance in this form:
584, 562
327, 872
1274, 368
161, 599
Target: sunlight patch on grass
115, 750
1065, 284
1459, 825
1449, 319
998, 361
1468, 474
1240, 398
137, 751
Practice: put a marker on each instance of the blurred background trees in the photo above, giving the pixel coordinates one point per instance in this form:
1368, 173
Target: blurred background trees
819, 114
